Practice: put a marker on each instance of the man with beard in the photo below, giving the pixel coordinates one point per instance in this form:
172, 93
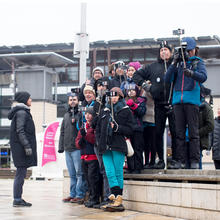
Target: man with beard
161, 92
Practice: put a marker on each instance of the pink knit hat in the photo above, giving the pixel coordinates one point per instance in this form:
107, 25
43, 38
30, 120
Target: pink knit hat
136, 65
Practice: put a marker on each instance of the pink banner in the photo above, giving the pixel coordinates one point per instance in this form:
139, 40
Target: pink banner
49, 152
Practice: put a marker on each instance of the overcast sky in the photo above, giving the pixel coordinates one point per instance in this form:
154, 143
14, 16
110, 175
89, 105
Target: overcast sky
56, 21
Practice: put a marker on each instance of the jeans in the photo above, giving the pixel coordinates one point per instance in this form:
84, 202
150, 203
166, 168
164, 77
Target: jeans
113, 162
77, 183
19, 182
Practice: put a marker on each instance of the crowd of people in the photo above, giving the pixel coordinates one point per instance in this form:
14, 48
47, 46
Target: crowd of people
132, 103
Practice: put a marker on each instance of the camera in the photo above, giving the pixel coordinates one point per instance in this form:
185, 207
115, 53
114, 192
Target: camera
81, 107
75, 90
111, 93
178, 32
182, 51
169, 109
103, 83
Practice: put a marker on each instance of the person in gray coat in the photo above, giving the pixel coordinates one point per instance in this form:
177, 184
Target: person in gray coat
23, 143
68, 134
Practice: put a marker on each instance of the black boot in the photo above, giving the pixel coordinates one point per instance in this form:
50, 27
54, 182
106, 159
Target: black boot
21, 203
159, 165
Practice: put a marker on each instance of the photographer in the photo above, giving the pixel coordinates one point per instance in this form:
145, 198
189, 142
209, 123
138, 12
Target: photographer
186, 100
97, 73
119, 70
68, 134
115, 123
160, 91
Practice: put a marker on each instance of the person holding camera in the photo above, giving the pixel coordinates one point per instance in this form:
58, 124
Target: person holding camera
115, 123
137, 105
68, 134
23, 144
187, 72
151, 79
97, 73
85, 141
129, 83
119, 69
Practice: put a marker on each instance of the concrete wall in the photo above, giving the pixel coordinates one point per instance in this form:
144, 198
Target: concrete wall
177, 197
181, 200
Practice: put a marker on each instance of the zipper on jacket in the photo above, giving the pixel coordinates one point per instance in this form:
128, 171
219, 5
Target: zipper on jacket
182, 88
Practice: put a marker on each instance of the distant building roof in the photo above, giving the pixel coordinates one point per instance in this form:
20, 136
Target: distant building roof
145, 42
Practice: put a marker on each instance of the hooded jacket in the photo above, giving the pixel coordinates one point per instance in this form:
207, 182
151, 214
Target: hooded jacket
187, 89
155, 73
22, 135
109, 139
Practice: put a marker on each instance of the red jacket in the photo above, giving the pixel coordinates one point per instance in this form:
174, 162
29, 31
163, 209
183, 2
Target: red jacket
87, 150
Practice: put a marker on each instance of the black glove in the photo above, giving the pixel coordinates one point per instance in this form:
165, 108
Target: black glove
82, 142
83, 132
176, 58
188, 72
146, 86
28, 151
60, 151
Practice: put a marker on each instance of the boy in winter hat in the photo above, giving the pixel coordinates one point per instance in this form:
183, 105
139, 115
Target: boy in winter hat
85, 142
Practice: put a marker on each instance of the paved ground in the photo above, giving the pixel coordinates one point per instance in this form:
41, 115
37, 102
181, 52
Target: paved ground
46, 197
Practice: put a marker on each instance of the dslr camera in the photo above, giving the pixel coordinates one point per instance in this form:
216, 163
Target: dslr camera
75, 90
181, 50
111, 93
81, 107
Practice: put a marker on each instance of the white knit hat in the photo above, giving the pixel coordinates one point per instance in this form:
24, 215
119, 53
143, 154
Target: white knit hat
98, 69
88, 88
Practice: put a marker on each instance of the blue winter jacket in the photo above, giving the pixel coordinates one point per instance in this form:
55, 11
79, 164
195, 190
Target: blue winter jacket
187, 89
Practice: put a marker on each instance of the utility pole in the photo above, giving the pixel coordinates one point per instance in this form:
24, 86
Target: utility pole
81, 46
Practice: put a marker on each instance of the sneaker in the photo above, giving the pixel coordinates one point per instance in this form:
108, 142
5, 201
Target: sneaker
21, 203
77, 200
160, 165
67, 199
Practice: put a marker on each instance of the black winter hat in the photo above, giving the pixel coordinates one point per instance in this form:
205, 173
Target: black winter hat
89, 110
22, 97
165, 44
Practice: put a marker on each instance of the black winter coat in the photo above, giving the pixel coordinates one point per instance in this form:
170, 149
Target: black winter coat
68, 130
155, 73
216, 140
206, 124
106, 138
22, 135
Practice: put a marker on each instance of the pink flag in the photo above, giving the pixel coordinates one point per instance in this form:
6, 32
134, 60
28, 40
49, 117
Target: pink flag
49, 153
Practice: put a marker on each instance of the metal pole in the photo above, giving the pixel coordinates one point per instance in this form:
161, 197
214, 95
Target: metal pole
13, 79
83, 36
55, 88
44, 97
165, 146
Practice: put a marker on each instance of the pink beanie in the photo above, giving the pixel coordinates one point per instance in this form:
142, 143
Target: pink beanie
136, 65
